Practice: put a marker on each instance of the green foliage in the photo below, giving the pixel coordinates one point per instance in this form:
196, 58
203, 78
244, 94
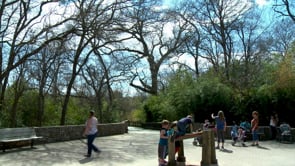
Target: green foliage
77, 112
28, 108
138, 115
188, 95
272, 88
52, 111
152, 108
213, 96
180, 94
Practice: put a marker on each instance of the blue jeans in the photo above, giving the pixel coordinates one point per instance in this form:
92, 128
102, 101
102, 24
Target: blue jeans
181, 129
90, 139
254, 135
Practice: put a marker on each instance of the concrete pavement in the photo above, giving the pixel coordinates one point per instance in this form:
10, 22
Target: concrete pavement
139, 148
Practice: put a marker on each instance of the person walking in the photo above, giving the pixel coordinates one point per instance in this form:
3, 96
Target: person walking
91, 132
221, 128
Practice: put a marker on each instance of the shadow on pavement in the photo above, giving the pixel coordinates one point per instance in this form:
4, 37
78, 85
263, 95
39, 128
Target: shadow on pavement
226, 150
85, 160
262, 147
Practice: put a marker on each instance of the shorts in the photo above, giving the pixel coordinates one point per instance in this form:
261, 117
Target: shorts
162, 151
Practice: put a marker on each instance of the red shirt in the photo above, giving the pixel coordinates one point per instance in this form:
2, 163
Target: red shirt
254, 124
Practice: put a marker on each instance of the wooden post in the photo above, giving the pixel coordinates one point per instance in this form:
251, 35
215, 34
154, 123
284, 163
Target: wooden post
171, 151
180, 157
208, 149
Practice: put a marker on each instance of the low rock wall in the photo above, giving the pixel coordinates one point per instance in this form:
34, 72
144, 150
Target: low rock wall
73, 132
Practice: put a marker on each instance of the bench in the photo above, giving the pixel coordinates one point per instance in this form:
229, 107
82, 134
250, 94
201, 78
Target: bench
8, 135
260, 133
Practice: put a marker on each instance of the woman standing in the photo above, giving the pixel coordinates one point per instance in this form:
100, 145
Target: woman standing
254, 128
273, 126
221, 128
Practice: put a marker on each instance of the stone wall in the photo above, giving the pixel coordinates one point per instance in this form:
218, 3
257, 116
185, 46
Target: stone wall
74, 132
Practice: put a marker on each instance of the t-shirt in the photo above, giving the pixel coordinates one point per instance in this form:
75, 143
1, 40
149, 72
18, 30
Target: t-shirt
163, 141
183, 123
234, 131
254, 124
219, 123
93, 125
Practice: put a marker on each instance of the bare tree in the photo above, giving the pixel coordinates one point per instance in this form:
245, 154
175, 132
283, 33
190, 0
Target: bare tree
152, 38
282, 36
19, 87
24, 24
44, 69
93, 20
285, 8
218, 19
251, 32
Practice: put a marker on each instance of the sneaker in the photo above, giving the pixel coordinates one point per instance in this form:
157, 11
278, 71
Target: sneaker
243, 145
253, 145
222, 147
87, 155
217, 147
163, 164
98, 151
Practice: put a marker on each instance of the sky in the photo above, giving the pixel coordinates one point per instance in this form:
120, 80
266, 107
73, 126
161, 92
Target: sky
260, 3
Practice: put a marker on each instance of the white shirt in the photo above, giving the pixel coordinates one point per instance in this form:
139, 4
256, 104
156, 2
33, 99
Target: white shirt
92, 126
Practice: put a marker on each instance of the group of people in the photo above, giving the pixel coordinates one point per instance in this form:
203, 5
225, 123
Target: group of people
175, 129
238, 133
180, 127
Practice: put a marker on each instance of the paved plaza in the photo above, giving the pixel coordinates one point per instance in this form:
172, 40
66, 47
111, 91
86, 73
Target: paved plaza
139, 148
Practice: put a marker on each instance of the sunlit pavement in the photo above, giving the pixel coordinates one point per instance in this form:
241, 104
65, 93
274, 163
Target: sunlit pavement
139, 148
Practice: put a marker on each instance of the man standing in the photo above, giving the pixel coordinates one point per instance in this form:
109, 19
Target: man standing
91, 132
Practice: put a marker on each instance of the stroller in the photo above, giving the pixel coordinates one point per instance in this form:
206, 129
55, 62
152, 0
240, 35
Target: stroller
198, 140
285, 135
240, 136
